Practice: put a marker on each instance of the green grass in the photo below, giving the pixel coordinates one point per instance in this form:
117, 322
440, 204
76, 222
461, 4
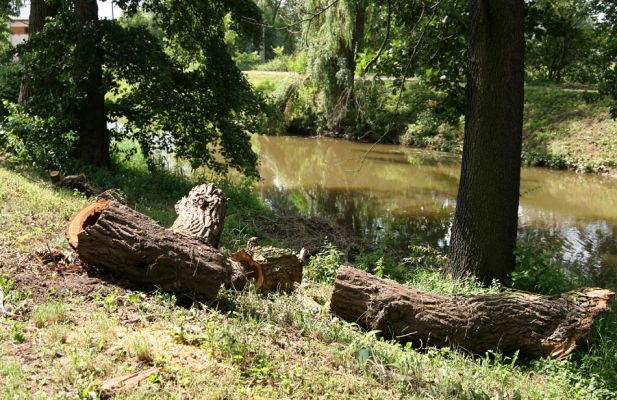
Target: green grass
568, 129
247, 345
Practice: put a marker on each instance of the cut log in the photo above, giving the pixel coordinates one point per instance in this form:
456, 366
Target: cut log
55, 177
76, 182
113, 236
534, 324
201, 214
281, 269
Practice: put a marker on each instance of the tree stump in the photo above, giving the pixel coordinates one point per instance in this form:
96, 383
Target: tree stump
534, 324
280, 269
201, 214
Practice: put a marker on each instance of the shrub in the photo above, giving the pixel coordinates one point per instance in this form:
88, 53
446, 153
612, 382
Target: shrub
539, 267
323, 266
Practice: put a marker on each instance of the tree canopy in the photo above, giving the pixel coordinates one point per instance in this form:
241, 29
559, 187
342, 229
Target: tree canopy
169, 80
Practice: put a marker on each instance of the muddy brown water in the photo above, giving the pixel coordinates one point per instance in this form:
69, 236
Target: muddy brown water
400, 196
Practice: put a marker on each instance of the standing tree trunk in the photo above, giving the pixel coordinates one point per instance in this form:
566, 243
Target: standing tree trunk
485, 224
93, 135
38, 12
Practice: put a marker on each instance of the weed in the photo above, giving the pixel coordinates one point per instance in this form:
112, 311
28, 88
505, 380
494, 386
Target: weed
323, 266
49, 313
140, 349
18, 334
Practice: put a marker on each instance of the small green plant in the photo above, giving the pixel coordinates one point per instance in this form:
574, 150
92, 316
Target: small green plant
323, 266
539, 268
17, 333
141, 349
179, 334
49, 313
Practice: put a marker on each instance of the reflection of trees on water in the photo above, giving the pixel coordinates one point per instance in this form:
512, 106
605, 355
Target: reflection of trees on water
388, 195
360, 213
587, 250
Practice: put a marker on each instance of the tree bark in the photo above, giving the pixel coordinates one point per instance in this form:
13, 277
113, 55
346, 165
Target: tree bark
485, 224
281, 269
534, 324
115, 237
111, 235
36, 21
201, 214
94, 138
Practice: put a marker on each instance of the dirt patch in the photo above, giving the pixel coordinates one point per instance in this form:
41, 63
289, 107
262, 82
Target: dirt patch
56, 273
309, 233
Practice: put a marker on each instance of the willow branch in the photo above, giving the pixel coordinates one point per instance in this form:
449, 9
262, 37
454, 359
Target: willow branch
384, 43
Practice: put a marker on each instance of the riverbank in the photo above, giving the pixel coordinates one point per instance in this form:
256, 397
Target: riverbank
563, 128
70, 330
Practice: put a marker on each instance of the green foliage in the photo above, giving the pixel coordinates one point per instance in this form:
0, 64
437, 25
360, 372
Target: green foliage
539, 268
36, 140
323, 266
170, 79
246, 60
296, 62
562, 41
10, 77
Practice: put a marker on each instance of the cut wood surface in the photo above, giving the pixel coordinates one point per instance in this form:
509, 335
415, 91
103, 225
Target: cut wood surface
201, 214
108, 234
113, 236
281, 269
509, 321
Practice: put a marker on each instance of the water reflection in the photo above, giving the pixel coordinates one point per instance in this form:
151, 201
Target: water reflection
404, 195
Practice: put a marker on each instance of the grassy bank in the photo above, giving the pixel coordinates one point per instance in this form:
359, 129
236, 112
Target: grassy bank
70, 330
563, 127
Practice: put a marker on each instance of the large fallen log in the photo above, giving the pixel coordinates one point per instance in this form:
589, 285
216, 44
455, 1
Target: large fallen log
75, 182
531, 323
113, 236
108, 234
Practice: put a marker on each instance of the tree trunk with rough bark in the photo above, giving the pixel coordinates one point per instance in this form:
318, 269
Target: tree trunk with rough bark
113, 236
132, 245
485, 223
201, 214
94, 140
534, 324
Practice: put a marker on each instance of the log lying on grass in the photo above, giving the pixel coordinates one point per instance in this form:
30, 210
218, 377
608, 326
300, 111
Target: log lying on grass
280, 269
534, 324
113, 236
76, 182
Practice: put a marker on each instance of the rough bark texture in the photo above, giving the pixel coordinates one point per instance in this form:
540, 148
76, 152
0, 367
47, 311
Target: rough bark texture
134, 246
281, 269
484, 229
201, 214
76, 182
534, 324
113, 236
94, 138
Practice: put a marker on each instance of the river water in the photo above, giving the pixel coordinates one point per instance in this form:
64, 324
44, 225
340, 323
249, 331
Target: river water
403, 196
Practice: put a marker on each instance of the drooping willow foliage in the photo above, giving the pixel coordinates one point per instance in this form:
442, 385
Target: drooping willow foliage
334, 34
